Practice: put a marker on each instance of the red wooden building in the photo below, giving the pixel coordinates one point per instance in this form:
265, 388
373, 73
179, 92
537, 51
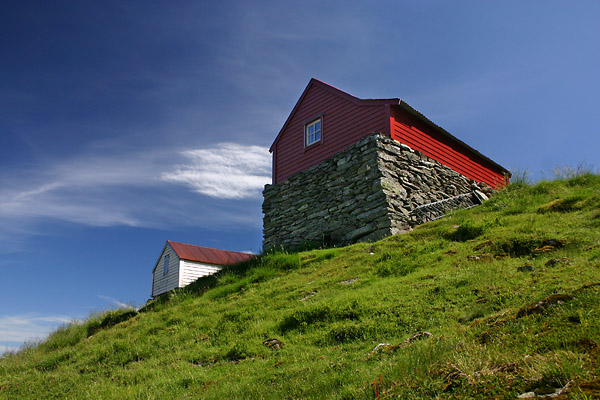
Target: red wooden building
326, 120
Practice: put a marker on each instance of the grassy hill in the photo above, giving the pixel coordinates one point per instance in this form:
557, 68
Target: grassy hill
491, 302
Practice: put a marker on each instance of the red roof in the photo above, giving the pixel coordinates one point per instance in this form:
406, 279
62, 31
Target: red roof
208, 255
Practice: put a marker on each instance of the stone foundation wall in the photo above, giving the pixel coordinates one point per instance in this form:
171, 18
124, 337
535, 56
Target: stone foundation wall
363, 193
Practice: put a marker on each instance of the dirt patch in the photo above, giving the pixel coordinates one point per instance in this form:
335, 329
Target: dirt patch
589, 286
482, 245
519, 247
584, 345
591, 389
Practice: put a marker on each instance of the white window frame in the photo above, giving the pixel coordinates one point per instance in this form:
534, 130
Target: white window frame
314, 136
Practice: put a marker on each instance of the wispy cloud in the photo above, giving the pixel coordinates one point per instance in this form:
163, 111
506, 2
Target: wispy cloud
114, 301
132, 189
82, 190
29, 327
105, 190
227, 170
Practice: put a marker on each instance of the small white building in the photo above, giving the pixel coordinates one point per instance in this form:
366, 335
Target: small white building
181, 264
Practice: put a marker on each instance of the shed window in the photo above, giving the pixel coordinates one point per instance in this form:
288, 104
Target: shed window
312, 132
166, 267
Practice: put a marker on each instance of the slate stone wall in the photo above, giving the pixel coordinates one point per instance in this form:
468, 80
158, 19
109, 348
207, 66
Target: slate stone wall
363, 193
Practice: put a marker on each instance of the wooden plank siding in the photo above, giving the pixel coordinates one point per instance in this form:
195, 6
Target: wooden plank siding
344, 122
409, 130
191, 270
163, 283
347, 119
189, 262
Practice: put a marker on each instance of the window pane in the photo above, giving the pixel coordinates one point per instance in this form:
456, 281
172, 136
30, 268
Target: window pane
313, 132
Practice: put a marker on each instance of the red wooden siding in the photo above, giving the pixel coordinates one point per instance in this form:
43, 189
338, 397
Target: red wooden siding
347, 119
420, 136
345, 122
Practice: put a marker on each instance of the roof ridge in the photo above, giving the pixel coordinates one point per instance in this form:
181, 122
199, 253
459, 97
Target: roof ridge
206, 247
337, 92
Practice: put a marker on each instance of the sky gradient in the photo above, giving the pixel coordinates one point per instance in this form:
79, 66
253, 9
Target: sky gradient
126, 124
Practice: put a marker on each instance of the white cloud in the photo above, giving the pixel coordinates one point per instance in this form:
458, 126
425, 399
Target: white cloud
227, 171
114, 301
29, 327
133, 189
82, 190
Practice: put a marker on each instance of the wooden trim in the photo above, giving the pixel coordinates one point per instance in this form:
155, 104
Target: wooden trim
310, 121
388, 120
313, 119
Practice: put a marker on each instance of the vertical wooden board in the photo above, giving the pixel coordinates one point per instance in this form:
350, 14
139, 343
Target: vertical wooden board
417, 135
344, 123
163, 283
191, 271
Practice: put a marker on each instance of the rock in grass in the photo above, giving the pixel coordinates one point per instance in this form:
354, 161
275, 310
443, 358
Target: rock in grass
548, 245
390, 348
308, 295
565, 261
417, 336
542, 305
349, 281
385, 348
527, 395
273, 343
525, 268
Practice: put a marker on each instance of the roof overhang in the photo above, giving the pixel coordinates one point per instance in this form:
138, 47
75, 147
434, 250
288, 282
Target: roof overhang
406, 107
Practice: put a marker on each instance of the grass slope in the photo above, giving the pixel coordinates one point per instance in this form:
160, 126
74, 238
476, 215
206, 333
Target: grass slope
509, 291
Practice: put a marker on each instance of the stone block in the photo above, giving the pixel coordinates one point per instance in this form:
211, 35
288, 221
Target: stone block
363, 193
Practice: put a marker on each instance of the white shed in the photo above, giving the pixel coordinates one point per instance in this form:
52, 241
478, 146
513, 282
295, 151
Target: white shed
180, 264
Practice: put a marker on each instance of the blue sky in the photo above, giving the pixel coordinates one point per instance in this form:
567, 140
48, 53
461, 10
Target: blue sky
126, 124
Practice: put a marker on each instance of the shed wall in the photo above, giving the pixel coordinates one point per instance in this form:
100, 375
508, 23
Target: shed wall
363, 193
344, 123
408, 130
192, 270
163, 283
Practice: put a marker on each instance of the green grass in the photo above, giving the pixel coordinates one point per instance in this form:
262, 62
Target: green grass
472, 280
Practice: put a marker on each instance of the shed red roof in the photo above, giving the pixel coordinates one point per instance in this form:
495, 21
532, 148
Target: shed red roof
208, 255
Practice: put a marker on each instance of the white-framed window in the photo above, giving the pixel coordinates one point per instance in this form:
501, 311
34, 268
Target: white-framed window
313, 132
166, 266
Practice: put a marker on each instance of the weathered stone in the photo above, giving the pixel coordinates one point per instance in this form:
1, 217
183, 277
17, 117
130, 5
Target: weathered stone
273, 343
363, 193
